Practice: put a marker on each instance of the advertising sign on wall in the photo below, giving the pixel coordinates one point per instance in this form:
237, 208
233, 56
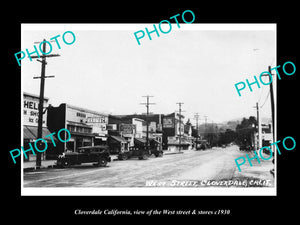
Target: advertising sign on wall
31, 110
127, 128
168, 122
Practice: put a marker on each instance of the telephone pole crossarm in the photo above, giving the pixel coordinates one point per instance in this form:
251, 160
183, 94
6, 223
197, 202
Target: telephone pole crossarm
44, 56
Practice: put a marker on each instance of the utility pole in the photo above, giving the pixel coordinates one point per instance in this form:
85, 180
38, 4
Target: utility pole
196, 116
259, 144
212, 133
272, 105
147, 122
205, 134
41, 99
272, 101
180, 103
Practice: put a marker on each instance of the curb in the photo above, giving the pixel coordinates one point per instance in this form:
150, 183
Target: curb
171, 153
33, 168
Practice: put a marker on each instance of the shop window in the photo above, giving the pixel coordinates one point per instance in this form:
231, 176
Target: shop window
71, 128
80, 114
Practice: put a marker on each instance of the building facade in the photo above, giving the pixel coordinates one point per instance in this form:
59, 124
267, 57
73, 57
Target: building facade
174, 136
30, 125
123, 132
136, 130
266, 136
87, 127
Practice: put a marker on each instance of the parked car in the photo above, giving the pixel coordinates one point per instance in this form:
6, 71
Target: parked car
90, 154
202, 145
134, 152
244, 147
157, 153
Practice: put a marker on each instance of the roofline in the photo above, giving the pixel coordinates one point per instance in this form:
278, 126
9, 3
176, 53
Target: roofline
95, 146
85, 109
34, 95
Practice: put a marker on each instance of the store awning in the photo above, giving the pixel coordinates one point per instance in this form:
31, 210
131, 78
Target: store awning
79, 124
140, 140
30, 132
154, 140
27, 134
101, 138
118, 139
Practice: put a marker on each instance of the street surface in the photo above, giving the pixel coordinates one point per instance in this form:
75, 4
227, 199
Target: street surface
213, 164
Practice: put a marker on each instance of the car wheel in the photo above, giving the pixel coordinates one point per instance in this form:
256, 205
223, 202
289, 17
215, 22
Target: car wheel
102, 162
144, 156
160, 154
66, 164
122, 157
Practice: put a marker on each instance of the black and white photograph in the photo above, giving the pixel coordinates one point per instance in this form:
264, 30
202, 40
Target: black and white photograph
149, 109
149, 112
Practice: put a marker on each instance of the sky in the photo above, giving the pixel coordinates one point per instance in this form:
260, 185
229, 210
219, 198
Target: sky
197, 64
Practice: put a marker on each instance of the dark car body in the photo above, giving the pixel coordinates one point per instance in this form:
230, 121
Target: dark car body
139, 153
202, 145
157, 153
89, 154
245, 147
134, 152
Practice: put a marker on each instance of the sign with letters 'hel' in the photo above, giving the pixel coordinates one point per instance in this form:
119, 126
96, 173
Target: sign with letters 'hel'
31, 111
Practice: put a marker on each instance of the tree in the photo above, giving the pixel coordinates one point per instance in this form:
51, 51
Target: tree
211, 134
227, 137
245, 131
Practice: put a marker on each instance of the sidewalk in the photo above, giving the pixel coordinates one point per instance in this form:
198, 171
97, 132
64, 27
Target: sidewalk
170, 152
31, 165
257, 170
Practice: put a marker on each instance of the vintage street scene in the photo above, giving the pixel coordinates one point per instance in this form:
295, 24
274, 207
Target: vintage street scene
212, 164
101, 111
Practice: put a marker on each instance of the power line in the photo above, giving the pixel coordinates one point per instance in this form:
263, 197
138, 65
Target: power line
265, 100
261, 94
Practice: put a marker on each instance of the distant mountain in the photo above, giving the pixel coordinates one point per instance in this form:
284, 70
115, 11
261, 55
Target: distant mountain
231, 124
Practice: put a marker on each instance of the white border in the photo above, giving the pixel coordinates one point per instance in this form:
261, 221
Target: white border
206, 191
144, 191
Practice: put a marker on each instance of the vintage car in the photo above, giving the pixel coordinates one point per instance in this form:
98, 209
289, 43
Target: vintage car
134, 152
139, 153
157, 153
202, 145
245, 147
99, 155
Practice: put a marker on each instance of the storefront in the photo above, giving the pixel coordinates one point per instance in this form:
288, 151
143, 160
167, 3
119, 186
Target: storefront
140, 143
117, 144
174, 144
173, 129
155, 143
87, 127
30, 125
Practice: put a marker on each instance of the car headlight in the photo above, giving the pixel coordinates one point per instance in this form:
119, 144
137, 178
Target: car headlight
61, 156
